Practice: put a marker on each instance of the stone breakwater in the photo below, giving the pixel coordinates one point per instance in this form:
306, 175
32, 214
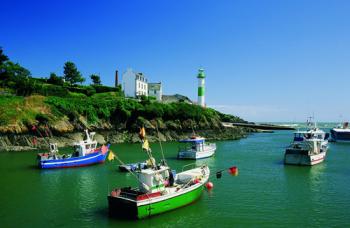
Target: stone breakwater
22, 142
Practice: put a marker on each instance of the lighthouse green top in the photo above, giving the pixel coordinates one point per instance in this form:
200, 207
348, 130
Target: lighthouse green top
201, 73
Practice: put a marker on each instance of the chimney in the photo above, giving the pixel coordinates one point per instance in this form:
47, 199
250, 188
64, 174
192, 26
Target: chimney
116, 78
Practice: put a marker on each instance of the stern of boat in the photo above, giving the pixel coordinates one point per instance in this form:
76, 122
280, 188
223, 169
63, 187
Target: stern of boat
121, 207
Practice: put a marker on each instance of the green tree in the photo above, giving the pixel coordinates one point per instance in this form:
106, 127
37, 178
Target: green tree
3, 57
55, 80
71, 73
13, 71
95, 79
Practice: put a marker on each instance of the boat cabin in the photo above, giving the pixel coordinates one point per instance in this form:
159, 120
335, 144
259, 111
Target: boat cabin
53, 148
307, 135
195, 144
86, 146
152, 180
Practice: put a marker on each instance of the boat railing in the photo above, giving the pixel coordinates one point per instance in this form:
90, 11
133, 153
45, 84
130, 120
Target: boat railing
188, 166
213, 145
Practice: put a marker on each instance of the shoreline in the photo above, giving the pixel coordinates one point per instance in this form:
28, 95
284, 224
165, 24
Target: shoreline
27, 142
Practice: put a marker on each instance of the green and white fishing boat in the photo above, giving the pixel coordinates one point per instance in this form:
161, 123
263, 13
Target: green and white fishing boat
159, 190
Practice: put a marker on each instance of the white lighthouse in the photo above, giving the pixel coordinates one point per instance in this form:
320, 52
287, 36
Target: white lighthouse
201, 87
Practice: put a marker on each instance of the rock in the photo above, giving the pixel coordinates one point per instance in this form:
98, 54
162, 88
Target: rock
100, 139
62, 126
25, 141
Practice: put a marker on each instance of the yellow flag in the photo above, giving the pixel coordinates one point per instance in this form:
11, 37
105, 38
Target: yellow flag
111, 156
145, 145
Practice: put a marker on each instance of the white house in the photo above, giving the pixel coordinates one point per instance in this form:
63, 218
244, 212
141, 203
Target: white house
134, 84
155, 90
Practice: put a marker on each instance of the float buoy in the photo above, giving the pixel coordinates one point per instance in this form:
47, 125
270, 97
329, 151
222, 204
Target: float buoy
233, 171
114, 193
209, 185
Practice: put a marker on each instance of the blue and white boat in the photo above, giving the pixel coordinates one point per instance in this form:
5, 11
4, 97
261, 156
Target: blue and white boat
85, 153
309, 147
196, 148
341, 133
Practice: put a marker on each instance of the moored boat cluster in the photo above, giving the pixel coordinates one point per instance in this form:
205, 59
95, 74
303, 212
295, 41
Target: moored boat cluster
161, 188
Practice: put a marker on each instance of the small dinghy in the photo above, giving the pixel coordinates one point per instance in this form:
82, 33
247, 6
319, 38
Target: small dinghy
132, 166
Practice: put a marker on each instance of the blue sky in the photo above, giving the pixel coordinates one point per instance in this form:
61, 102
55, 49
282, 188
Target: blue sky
264, 60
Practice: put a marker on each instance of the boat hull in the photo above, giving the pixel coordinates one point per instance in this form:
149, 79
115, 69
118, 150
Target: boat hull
90, 159
340, 136
303, 159
123, 207
193, 155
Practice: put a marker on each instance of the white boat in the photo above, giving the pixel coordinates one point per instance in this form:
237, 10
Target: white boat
341, 133
196, 148
308, 147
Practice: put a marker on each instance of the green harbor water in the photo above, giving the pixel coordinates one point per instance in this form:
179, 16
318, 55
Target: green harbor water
266, 193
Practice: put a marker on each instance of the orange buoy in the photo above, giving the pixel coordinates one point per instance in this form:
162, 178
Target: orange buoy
209, 185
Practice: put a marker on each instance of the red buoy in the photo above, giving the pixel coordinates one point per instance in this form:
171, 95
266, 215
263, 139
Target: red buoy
209, 185
114, 193
233, 170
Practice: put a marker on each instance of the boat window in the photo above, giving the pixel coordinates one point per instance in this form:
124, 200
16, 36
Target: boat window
307, 136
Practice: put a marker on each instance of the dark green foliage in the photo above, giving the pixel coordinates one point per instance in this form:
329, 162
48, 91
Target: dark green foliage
71, 73
52, 90
25, 86
104, 89
55, 80
96, 80
12, 72
91, 108
42, 118
3, 57
15, 76
153, 110
87, 90
230, 118
127, 112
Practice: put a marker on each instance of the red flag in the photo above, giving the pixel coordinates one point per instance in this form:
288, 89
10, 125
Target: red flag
104, 149
233, 170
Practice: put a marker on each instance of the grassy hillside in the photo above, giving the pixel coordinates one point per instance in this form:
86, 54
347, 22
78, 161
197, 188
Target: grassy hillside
102, 110
62, 105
